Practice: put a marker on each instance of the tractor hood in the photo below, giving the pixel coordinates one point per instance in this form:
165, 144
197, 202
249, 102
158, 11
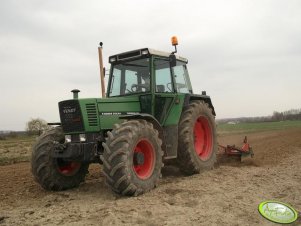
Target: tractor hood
118, 105
91, 114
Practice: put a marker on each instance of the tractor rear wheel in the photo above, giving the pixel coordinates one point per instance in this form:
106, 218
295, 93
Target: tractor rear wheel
55, 173
132, 158
197, 145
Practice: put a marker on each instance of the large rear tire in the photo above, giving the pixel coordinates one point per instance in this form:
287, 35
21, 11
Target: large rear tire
197, 143
55, 173
132, 158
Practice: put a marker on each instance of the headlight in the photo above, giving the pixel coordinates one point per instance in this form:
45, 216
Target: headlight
113, 59
67, 138
144, 52
82, 137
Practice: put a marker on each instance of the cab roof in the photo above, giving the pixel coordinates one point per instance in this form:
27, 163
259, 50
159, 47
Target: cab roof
140, 53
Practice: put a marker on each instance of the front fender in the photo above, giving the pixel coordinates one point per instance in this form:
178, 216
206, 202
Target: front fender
146, 117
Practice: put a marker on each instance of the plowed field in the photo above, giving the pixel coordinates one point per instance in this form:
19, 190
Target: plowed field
227, 195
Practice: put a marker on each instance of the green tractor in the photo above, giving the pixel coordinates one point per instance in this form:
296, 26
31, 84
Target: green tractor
150, 116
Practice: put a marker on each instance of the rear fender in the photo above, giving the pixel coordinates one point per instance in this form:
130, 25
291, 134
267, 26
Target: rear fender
205, 98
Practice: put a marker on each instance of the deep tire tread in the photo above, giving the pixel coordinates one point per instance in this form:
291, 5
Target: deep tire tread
44, 168
117, 149
187, 159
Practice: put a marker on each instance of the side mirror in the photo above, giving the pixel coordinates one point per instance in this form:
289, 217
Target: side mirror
172, 60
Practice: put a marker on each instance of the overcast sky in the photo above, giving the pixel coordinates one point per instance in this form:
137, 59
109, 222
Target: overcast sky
245, 54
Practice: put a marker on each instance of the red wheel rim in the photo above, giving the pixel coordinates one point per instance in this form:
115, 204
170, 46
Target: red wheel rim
67, 168
203, 138
145, 170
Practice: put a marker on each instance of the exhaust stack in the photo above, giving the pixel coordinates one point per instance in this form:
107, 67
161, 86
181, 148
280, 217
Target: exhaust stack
75, 93
102, 71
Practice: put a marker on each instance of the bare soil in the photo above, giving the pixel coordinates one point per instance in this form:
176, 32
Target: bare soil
227, 195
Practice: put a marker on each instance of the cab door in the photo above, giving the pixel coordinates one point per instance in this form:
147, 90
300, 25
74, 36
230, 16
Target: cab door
165, 99
164, 92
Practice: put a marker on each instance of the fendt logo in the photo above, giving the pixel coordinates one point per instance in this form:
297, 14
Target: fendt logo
69, 110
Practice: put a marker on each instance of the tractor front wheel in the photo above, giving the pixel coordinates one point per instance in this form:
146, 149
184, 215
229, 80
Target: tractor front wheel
132, 158
55, 173
197, 145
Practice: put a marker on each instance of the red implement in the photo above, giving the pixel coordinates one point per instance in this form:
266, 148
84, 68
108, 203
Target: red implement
232, 150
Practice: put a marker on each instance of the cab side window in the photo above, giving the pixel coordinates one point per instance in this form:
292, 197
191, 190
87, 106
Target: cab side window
163, 77
182, 83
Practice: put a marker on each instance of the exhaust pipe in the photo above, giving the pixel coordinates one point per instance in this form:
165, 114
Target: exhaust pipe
75, 93
102, 72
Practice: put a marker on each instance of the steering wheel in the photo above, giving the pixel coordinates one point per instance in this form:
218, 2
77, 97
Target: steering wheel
134, 88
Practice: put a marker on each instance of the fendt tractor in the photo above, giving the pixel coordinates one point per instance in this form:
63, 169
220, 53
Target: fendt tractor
149, 116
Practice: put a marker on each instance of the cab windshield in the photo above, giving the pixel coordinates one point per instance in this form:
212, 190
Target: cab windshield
130, 77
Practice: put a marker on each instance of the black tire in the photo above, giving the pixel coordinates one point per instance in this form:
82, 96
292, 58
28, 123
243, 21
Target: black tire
197, 143
54, 173
124, 174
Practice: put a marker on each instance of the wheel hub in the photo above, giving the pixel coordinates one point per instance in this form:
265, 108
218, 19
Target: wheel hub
144, 159
138, 158
67, 168
203, 138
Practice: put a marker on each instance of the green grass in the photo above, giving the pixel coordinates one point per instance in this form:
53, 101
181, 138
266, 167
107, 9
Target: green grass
256, 127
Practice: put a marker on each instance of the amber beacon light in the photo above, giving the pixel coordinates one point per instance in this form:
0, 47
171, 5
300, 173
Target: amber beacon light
174, 40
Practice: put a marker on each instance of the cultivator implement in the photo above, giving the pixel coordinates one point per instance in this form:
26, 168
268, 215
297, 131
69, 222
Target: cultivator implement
233, 152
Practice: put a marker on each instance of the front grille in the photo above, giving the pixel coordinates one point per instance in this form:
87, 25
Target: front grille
71, 116
92, 114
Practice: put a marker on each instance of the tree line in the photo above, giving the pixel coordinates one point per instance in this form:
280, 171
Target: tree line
293, 114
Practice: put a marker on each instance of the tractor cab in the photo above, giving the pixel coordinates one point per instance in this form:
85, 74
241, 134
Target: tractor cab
148, 71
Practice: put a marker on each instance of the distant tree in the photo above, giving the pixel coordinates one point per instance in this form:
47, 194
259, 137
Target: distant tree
13, 134
277, 116
36, 126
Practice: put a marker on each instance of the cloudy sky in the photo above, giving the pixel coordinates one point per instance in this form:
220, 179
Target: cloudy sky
245, 54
